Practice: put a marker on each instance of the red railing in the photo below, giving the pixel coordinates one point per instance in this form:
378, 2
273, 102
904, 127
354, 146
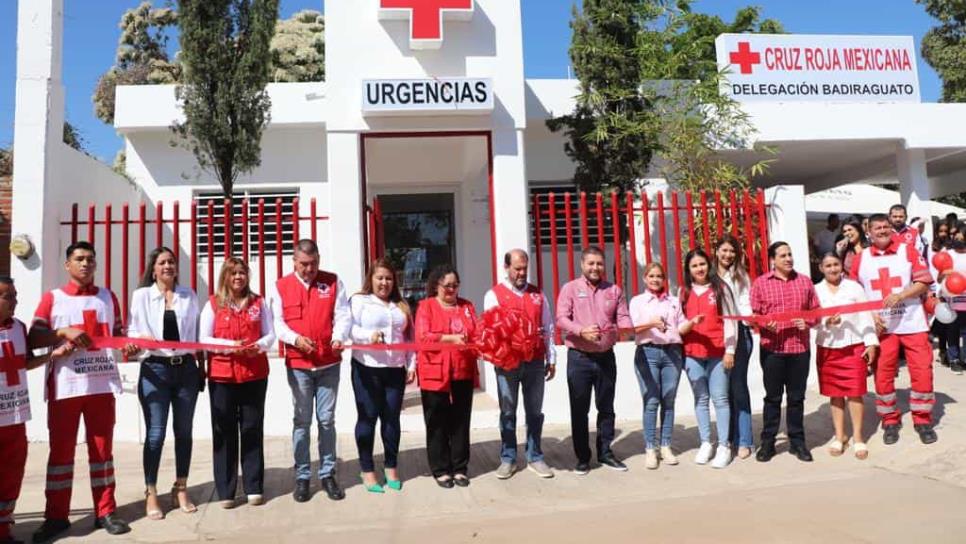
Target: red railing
99, 228
615, 228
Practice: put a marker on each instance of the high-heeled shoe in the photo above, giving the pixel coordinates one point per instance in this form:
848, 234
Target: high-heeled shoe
155, 515
371, 488
395, 485
188, 507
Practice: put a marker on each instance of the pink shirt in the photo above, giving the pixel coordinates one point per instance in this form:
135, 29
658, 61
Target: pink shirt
581, 304
647, 306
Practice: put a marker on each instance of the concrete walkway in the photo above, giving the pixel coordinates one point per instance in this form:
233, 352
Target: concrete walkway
907, 492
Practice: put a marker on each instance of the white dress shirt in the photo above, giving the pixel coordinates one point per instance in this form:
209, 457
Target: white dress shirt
490, 300
370, 315
206, 329
341, 317
855, 328
740, 291
147, 317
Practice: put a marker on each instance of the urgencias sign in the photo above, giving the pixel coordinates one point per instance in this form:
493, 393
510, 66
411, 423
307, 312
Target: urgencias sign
427, 96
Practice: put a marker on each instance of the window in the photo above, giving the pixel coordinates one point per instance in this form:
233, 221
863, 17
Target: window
560, 209
241, 235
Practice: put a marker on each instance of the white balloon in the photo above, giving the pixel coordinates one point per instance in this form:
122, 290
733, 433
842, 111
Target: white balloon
943, 292
944, 313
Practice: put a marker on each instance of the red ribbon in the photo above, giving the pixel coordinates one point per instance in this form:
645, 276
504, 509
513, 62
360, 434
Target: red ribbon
809, 315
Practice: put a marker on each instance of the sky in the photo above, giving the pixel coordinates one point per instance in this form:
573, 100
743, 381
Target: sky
91, 33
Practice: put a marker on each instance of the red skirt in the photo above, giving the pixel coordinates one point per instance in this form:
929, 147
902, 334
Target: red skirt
842, 371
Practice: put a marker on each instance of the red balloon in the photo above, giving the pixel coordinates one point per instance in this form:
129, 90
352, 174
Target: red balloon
930, 304
507, 337
955, 283
942, 261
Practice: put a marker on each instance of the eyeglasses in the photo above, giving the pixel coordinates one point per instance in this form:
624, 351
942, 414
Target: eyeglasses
450, 286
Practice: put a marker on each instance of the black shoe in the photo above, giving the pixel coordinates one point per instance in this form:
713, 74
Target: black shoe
582, 468
890, 434
612, 462
303, 490
944, 360
765, 453
445, 483
957, 367
461, 480
802, 453
926, 433
50, 529
112, 524
332, 488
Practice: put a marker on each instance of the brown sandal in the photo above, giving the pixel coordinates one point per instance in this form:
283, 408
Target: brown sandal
187, 507
154, 515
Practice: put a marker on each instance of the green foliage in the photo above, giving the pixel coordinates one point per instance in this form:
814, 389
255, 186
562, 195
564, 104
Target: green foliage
6, 162
72, 137
227, 64
944, 46
298, 48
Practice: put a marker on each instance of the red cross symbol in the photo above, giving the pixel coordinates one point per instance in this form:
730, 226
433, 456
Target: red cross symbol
91, 326
745, 58
11, 363
885, 283
426, 18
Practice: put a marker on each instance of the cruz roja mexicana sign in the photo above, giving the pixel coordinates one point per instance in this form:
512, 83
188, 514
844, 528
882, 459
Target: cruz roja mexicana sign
815, 68
427, 96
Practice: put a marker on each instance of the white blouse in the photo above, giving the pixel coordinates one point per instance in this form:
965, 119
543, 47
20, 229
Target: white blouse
206, 330
855, 328
741, 292
147, 317
370, 315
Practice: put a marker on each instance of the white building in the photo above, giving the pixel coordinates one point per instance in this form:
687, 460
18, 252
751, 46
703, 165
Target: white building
386, 124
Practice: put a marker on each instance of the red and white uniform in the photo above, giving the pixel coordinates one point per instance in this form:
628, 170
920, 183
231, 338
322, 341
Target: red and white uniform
882, 273
81, 384
317, 310
714, 336
911, 236
14, 414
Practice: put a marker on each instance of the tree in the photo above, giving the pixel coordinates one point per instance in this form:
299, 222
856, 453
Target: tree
226, 59
612, 131
944, 46
298, 48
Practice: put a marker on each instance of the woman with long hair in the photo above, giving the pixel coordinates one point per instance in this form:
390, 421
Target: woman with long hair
709, 348
852, 243
238, 378
170, 380
940, 243
447, 378
729, 265
847, 345
658, 361
380, 316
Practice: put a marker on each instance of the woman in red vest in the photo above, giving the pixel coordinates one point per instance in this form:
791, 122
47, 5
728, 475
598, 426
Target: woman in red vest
447, 378
709, 349
236, 316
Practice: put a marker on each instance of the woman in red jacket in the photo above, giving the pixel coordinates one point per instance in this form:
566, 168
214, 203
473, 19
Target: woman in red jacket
447, 378
236, 316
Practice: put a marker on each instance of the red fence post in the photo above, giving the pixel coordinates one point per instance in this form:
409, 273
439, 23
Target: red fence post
73, 223
228, 219
689, 204
211, 247
315, 219
632, 242
91, 220
372, 234
718, 214
662, 228
296, 231
676, 221
125, 256
568, 217
734, 212
159, 227
193, 223
380, 232
176, 234
618, 246
245, 237
600, 222
554, 264
749, 236
706, 223
142, 226
108, 250
261, 245
763, 228
646, 223
584, 235
537, 243
278, 238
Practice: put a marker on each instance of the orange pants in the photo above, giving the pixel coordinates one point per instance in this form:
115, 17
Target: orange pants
13, 455
63, 420
919, 360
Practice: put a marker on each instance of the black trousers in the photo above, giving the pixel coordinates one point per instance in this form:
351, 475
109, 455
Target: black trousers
447, 417
591, 373
379, 396
784, 374
237, 420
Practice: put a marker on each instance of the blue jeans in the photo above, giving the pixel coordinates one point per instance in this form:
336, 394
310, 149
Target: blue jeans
741, 432
658, 372
379, 397
956, 338
529, 376
162, 387
314, 391
709, 381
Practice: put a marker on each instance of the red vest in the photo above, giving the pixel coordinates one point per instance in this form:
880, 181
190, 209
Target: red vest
244, 325
310, 313
706, 339
532, 305
436, 369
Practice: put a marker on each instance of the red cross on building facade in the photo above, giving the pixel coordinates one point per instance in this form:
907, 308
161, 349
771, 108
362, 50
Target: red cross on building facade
885, 283
426, 18
11, 364
745, 58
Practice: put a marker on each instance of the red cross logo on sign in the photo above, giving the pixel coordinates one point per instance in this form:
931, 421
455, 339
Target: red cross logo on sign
426, 18
885, 283
11, 363
745, 58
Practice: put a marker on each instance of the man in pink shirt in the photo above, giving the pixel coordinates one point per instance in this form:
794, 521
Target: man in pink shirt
590, 311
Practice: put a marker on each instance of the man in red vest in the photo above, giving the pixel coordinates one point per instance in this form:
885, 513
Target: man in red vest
515, 292
312, 321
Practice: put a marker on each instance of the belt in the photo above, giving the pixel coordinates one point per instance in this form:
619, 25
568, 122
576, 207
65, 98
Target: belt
664, 347
176, 360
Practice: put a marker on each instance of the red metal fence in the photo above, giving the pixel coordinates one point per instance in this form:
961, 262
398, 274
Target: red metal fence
565, 223
267, 233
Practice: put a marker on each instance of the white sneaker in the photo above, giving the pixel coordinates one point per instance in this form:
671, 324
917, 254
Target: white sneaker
668, 456
704, 453
722, 457
650, 459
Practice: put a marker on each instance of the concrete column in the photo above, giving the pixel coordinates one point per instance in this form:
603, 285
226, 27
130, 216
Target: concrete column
786, 221
511, 195
914, 185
